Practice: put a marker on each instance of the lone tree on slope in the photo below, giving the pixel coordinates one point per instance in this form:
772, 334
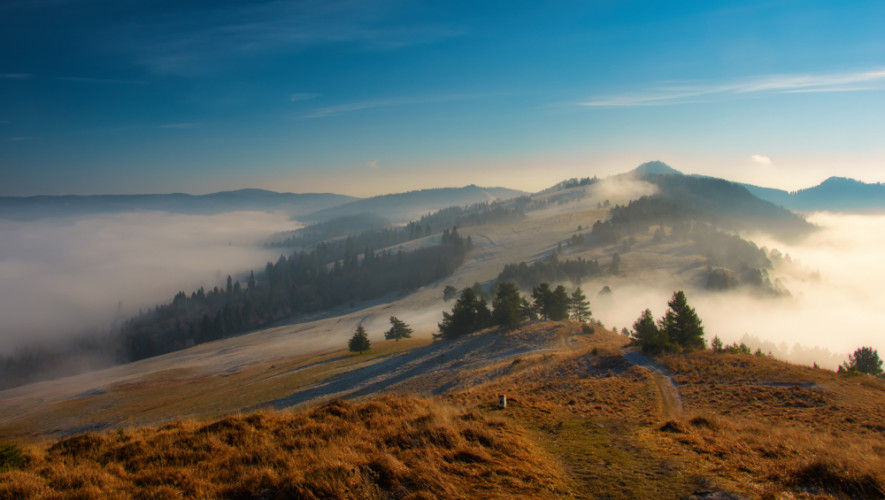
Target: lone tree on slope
863, 360
360, 341
398, 330
682, 324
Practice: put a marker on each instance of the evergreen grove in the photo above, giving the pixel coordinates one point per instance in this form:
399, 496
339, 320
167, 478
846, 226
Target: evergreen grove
680, 329
509, 309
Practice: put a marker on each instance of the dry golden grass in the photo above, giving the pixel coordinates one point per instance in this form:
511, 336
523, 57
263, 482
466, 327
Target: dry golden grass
391, 446
581, 422
779, 428
171, 394
585, 405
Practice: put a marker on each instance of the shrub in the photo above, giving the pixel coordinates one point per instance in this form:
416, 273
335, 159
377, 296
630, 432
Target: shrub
11, 457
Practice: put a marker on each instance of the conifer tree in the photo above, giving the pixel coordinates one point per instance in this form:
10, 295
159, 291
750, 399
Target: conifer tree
469, 314
360, 340
528, 310
682, 325
542, 296
506, 308
647, 334
398, 330
559, 304
579, 306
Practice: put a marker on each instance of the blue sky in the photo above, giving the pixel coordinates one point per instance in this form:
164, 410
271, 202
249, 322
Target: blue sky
371, 97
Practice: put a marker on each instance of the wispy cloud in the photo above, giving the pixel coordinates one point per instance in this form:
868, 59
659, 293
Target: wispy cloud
180, 125
109, 81
304, 96
761, 159
384, 103
770, 84
373, 164
225, 33
15, 76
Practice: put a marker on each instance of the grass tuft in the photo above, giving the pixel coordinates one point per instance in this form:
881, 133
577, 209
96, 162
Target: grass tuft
830, 478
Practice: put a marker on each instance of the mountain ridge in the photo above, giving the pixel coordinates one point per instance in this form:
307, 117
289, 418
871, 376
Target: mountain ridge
41, 206
404, 207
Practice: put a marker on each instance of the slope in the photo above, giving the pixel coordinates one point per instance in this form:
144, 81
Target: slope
404, 207
836, 194
581, 421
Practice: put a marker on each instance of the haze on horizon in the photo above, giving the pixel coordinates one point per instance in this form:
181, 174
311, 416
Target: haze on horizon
104, 97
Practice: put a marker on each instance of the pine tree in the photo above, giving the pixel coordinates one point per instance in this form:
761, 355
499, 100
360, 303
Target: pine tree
542, 296
398, 330
506, 308
360, 341
579, 306
647, 334
682, 325
559, 304
528, 310
469, 314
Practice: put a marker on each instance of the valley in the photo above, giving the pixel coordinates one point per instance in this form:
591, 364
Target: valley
588, 416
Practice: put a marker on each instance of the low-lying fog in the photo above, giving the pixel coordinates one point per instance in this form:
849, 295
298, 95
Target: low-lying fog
67, 276
837, 281
78, 275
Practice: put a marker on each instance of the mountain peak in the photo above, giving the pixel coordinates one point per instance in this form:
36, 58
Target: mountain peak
657, 168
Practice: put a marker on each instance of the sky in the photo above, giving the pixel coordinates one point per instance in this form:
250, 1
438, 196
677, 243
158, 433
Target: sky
374, 96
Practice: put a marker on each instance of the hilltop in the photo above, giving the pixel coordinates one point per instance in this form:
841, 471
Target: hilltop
586, 418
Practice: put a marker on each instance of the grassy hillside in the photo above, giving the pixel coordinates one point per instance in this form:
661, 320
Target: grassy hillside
583, 420
390, 447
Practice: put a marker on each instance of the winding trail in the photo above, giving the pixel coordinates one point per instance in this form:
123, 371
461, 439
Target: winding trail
671, 400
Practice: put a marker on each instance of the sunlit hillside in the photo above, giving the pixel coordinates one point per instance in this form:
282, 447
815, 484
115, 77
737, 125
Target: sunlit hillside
585, 418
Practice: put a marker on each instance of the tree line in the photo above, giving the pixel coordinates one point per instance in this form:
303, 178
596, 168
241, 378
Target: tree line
306, 281
509, 309
302, 283
550, 270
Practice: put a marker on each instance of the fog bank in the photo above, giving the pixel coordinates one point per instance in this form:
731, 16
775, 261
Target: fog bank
78, 275
836, 279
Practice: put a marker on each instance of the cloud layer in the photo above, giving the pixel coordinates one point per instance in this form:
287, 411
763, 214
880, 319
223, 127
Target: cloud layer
64, 276
782, 84
835, 278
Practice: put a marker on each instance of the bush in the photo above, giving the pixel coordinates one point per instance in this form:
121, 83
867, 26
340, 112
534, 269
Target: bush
11, 457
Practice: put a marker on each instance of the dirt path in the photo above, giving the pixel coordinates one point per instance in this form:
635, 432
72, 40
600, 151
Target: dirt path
671, 401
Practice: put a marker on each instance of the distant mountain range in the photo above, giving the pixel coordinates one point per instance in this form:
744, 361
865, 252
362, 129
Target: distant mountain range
310, 207
36, 207
708, 193
404, 207
836, 194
